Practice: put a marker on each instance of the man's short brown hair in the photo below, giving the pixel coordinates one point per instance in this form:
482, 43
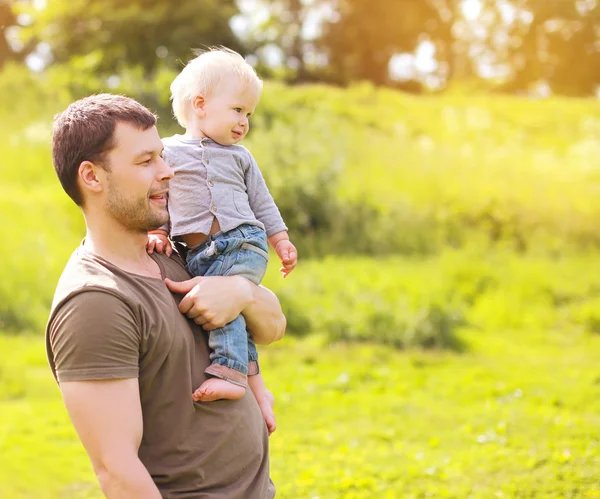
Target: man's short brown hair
84, 132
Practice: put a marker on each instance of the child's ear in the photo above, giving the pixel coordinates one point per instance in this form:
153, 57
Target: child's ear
198, 104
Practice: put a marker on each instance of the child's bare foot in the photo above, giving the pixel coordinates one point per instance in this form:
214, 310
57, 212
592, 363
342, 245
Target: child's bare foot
266, 407
216, 389
265, 400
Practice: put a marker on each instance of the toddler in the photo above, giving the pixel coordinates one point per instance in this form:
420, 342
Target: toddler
220, 207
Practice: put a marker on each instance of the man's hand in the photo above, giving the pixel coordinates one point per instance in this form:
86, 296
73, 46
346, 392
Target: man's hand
288, 255
158, 240
213, 301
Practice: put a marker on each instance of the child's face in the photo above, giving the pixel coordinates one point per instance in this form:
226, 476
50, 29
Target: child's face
224, 115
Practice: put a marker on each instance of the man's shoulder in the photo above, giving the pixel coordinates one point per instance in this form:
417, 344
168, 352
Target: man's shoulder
84, 272
84, 269
87, 271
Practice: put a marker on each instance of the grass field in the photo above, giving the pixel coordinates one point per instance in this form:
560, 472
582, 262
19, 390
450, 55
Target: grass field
516, 416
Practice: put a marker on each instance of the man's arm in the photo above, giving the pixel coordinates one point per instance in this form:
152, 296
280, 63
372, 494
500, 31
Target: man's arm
215, 301
264, 317
107, 415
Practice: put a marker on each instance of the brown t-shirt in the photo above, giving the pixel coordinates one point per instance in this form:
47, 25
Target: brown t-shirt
107, 324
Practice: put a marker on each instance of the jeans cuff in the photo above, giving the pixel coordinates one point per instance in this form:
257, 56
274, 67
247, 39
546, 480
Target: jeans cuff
253, 368
228, 374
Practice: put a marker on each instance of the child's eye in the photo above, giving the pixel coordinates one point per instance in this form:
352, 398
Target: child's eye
238, 109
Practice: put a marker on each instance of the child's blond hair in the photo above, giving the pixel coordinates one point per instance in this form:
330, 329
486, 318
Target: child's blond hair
202, 74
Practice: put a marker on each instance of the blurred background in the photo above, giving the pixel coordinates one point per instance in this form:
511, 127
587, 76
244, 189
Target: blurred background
438, 164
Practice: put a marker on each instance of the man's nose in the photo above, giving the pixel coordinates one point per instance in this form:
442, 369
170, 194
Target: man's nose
165, 172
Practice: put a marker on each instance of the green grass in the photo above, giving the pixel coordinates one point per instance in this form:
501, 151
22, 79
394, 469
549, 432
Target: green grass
416, 301
516, 416
386, 172
510, 419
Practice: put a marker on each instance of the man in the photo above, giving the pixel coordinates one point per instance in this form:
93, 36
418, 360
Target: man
126, 358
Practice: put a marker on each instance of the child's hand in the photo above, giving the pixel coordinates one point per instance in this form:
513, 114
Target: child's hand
159, 242
288, 255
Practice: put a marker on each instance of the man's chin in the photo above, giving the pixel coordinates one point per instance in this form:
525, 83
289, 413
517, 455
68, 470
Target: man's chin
154, 226
157, 223
158, 217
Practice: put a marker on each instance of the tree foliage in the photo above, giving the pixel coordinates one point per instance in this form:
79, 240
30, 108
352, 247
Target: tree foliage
514, 45
559, 43
8, 21
530, 41
133, 33
367, 33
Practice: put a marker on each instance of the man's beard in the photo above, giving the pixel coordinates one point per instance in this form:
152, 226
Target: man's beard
136, 215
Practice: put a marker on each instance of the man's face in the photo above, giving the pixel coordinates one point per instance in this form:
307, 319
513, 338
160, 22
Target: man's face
227, 111
137, 180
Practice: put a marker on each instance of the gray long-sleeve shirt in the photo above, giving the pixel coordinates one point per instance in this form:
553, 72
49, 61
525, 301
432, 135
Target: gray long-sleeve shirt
211, 181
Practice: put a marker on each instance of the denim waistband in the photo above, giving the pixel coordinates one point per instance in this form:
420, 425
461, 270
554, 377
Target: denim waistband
222, 242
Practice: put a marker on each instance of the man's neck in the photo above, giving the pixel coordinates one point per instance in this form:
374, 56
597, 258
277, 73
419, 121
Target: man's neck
122, 248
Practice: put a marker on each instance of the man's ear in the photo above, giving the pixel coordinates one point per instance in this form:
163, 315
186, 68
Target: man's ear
198, 104
90, 177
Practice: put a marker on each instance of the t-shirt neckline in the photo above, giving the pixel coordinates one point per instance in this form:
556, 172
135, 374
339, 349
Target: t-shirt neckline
108, 263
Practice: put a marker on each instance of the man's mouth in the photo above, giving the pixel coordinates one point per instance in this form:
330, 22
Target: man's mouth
160, 198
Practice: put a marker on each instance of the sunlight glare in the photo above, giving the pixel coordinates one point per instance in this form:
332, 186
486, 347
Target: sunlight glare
471, 9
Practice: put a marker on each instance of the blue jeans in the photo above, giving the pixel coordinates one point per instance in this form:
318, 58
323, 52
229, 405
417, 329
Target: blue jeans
241, 251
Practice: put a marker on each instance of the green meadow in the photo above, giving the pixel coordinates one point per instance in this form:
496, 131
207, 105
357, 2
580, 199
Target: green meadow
444, 319
516, 416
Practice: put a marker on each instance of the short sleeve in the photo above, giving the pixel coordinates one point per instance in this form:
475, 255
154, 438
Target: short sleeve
93, 336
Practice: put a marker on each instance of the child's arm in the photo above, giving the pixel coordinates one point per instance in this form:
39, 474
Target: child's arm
264, 208
285, 250
159, 240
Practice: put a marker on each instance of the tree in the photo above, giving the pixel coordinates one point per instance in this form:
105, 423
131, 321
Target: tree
525, 42
360, 44
133, 33
284, 29
288, 23
8, 21
558, 43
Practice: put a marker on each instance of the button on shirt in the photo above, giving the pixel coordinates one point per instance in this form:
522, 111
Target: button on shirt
211, 181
